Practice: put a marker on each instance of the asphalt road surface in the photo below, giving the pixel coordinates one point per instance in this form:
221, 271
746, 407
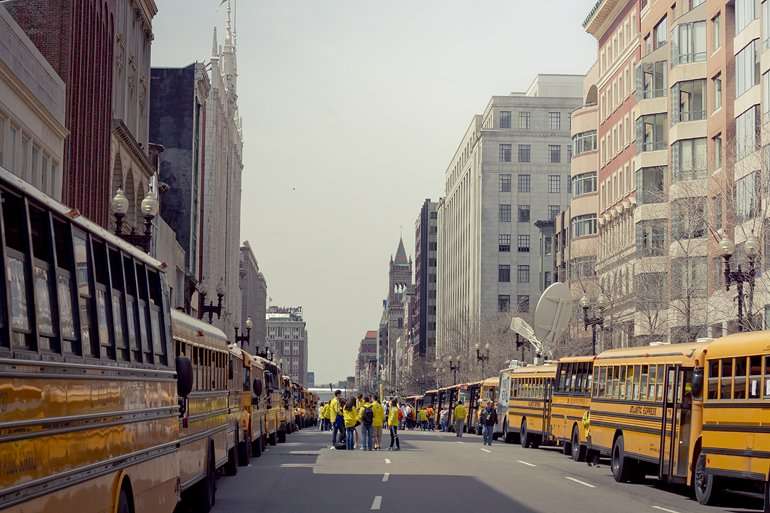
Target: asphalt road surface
437, 472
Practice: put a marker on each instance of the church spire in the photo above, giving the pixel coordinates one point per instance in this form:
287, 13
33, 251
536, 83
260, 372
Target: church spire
401, 253
215, 45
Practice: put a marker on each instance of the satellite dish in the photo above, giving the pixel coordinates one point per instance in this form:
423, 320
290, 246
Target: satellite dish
553, 312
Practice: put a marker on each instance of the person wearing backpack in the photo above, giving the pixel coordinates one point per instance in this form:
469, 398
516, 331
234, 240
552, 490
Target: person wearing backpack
393, 420
488, 421
378, 420
367, 423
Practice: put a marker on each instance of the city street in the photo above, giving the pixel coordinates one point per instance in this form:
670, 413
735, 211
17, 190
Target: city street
436, 472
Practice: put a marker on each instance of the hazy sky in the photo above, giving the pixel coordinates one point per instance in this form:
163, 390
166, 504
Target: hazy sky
351, 111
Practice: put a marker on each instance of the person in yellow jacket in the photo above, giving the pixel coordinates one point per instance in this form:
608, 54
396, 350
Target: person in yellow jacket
366, 419
393, 424
459, 416
350, 414
334, 415
422, 418
377, 422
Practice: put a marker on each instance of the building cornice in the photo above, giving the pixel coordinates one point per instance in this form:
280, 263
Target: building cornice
121, 131
600, 16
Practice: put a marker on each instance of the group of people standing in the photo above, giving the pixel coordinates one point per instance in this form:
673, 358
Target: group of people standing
357, 422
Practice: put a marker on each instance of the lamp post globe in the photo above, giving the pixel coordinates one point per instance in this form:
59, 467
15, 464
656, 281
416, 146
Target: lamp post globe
149, 205
584, 301
120, 203
602, 301
751, 246
220, 288
249, 323
726, 247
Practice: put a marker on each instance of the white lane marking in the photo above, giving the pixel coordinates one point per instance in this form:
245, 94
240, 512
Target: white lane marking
376, 503
305, 453
387, 461
297, 465
578, 481
486, 450
665, 509
527, 463
460, 442
385, 477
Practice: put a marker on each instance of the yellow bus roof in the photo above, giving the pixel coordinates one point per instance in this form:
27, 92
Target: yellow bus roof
546, 370
740, 344
576, 359
664, 353
196, 332
491, 382
431, 391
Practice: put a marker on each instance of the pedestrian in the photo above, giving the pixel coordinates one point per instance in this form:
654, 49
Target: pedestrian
488, 421
379, 417
321, 415
350, 414
335, 417
429, 411
367, 422
359, 403
459, 414
422, 417
443, 419
393, 422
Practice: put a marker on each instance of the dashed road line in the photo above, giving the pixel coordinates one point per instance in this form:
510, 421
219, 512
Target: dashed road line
385, 477
486, 450
297, 465
661, 508
459, 442
387, 461
376, 503
305, 453
578, 481
527, 463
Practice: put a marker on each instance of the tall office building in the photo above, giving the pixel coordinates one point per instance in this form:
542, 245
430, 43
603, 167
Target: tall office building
287, 339
422, 318
510, 170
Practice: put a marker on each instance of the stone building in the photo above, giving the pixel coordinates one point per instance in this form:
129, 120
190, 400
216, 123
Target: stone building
287, 339
510, 170
366, 363
32, 111
392, 323
222, 183
253, 298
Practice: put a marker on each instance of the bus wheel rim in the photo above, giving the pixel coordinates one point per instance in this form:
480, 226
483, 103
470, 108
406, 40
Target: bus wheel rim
700, 476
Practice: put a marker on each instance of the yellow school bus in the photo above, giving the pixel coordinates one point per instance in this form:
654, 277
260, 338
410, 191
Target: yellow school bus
252, 416
486, 391
273, 401
529, 404
736, 408
570, 401
208, 435
88, 390
645, 413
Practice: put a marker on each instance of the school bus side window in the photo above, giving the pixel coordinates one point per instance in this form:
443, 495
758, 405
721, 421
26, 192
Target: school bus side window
713, 379
739, 382
766, 366
155, 305
16, 274
43, 273
129, 271
755, 377
726, 379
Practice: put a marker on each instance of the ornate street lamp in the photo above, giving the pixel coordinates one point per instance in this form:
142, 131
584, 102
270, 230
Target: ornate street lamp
482, 357
244, 339
593, 320
739, 277
210, 308
149, 211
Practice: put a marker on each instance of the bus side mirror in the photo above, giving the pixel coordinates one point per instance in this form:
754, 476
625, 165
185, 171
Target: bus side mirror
697, 382
184, 376
256, 386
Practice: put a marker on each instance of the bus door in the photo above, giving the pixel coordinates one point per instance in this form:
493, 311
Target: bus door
547, 390
675, 424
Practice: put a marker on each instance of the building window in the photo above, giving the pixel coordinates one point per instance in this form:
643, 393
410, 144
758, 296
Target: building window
688, 158
554, 153
688, 277
553, 212
523, 243
651, 132
505, 213
689, 101
716, 23
583, 142
524, 119
651, 238
505, 153
503, 303
766, 93
524, 152
649, 185
554, 120
660, 33
688, 43
745, 13
747, 190
505, 183
746, 68
504, 273
523, 213
688, 218
718, 212
547, 245
717, 152
651, 80
584, 183
524, 183
505, 119
747, 133
522, 303
554, 183
504, 242
522, 274
717, 80
584, 225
